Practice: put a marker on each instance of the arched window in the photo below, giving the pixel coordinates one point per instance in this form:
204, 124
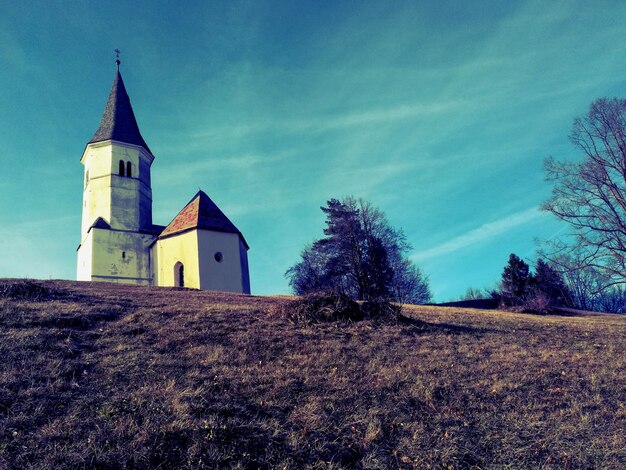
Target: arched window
129, 169
179, 275
121, 167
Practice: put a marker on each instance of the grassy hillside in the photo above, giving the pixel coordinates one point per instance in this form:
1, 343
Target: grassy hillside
99, 375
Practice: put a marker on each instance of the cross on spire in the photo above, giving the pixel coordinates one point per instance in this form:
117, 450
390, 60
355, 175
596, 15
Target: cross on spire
117, 58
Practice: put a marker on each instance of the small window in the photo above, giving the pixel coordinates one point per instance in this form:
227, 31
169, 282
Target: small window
86, 178
219, 257
129, 169
121, 167
123, 255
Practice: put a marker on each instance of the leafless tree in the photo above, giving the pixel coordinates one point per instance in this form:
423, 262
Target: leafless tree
586, 284
590, 195
473, 293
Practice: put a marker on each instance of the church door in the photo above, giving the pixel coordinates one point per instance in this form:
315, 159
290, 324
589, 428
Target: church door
179, 275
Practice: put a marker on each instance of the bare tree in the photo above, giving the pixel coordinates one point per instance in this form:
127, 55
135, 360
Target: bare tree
586, 284
473, 293
590, 195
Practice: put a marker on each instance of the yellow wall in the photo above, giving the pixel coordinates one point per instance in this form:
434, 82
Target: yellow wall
196, 249
169, 251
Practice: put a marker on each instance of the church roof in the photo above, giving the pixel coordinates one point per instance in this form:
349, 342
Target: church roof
201, 213
100, 223
118, 121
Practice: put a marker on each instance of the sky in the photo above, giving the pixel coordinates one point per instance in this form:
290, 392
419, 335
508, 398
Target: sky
440, 113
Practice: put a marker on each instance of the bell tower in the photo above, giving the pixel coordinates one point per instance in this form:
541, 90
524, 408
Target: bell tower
117, 196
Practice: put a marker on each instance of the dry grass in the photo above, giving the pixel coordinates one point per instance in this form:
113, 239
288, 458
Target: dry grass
107, 376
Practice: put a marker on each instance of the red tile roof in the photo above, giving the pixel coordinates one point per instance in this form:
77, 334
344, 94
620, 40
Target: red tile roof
202, 213
186, 219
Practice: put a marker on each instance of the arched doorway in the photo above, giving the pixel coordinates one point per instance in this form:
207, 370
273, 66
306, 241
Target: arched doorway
179, 275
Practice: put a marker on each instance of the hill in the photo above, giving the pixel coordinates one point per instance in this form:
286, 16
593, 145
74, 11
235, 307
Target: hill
110, 376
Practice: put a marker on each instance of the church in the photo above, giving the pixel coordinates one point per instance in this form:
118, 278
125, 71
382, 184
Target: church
200, 248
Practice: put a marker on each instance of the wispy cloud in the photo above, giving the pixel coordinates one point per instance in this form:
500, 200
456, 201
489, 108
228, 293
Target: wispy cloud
336, 121
177, 173
481, 234
371, 116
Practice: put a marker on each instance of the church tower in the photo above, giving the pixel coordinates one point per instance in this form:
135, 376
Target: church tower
117, 227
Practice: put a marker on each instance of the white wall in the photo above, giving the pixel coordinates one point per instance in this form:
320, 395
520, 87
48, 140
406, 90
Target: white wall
196, 249
117, 256
225, 275
96, 197
84, 259
124, 202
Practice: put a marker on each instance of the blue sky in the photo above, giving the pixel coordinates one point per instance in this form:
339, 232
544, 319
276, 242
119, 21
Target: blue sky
440, 113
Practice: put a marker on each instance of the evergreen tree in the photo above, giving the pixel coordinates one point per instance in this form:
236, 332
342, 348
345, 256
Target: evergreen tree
550, 282
516, 279
361, 255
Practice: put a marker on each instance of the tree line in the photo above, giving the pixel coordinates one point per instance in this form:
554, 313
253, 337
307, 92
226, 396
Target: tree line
362, 256
585, 268
548, 287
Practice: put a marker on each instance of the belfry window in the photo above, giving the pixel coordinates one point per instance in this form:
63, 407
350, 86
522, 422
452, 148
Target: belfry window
121, 167
129, 169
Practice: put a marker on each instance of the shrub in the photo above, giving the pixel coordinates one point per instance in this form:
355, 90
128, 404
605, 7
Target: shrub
25, 289
381, 311
539, 302
323, 306
329, 306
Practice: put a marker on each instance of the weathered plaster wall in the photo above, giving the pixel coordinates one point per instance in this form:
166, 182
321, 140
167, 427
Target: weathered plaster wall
120, 256
124, 202
131, 197
96, 197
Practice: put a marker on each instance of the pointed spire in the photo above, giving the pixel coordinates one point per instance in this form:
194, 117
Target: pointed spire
118, 121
